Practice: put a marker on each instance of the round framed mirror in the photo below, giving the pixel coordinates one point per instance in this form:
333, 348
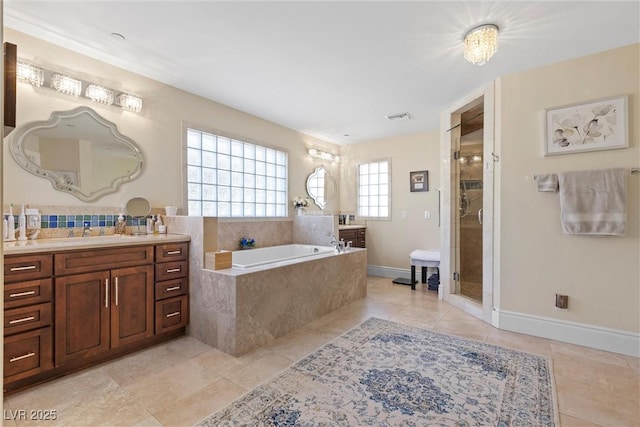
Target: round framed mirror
138, 207
321, 187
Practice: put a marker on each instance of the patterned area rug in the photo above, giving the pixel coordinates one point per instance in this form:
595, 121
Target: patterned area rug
386, 374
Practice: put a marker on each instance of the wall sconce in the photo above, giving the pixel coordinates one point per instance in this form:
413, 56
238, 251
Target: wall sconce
323, 155
36, 76
66, 84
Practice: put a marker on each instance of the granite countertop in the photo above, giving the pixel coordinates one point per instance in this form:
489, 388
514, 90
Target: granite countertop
351, 226
93, 242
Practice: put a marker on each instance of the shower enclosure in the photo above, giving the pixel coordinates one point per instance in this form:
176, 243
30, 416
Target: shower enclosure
470, 211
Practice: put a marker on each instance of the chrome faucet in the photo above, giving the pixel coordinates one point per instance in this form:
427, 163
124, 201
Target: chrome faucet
87, 231
338, 244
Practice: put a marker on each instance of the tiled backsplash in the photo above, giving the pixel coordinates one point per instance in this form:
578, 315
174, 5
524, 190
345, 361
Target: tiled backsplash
55, 221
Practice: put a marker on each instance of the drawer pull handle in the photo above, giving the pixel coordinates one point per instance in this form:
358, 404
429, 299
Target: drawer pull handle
178, 252
22, 294
173, 270
24, 319
15, 359
173, 288
28, 267
175, 313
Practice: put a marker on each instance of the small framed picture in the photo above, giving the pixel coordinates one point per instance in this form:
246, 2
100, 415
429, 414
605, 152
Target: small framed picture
419, 180
588, 126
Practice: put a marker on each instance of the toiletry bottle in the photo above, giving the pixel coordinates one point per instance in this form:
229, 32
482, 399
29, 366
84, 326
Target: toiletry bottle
4, 228
22, 225
150, 225
121, 225
11, 229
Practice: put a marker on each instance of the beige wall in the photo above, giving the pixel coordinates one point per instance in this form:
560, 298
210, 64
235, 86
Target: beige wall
157, 130
389, 242
600, 274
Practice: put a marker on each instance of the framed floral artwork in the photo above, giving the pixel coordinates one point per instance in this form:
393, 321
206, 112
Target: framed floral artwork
419, 181
590, 126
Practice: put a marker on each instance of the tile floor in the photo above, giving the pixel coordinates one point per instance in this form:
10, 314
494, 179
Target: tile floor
182, 381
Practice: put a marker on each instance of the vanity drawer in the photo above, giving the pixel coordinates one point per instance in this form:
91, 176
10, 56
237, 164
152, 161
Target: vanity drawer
171, 270
172, 288
27, 354
172, 314
27, 267
27, 318
102, 259
27, 293
172, 252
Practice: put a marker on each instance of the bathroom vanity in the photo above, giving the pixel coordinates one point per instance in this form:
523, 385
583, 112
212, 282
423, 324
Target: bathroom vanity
356, 234
73, 303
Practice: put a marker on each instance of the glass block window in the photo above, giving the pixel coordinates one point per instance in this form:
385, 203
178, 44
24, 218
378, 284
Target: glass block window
231, 178
374, 189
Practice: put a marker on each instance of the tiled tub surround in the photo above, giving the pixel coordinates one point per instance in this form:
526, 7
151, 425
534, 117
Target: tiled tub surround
237, 310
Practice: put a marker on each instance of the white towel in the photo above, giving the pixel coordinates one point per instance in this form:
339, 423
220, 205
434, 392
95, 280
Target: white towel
547, 182
593, 202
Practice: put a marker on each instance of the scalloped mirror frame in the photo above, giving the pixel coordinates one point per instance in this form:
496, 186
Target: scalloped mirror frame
330, 187
60, 182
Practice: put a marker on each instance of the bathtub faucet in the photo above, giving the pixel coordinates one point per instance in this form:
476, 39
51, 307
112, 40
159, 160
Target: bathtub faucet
339, 245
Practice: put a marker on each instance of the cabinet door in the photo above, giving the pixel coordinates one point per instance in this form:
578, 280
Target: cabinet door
132, 304
81, 316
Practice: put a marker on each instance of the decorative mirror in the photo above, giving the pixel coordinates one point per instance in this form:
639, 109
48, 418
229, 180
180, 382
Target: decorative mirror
79, 151
321, 187
138, 207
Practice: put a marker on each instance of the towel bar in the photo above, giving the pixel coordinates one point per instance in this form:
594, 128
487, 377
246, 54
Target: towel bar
633, 171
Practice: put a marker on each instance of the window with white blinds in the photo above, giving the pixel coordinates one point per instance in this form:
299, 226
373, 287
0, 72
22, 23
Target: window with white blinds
231, 178
374, 189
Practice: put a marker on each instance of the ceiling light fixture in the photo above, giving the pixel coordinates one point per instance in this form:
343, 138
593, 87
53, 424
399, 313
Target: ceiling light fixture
480, 43
37, 76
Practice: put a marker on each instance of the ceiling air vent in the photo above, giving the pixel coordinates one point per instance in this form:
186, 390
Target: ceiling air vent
399, 116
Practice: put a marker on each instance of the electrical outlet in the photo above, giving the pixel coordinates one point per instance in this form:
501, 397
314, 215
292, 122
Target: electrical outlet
33, 222
427, 215
562, 301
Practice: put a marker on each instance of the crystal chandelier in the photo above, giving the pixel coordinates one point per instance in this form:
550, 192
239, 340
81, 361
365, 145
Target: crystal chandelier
480, 43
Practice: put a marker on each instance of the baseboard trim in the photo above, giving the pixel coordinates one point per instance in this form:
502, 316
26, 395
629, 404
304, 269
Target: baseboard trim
390, 272
571, 332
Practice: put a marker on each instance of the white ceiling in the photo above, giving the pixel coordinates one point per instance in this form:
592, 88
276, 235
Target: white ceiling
328, 69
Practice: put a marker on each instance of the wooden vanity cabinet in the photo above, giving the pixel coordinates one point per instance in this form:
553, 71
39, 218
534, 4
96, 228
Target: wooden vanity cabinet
72, 309
28, 335
102, 310
172, 287
357, 236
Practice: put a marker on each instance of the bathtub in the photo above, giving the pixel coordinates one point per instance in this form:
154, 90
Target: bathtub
272, 254
272, 291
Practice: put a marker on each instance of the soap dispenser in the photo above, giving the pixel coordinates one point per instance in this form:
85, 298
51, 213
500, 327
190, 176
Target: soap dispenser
121, 225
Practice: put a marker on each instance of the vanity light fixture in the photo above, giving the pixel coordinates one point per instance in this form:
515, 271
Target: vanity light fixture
39, 77
30, 74
66, 84
130, 102
480, 43
323, 155
99, 94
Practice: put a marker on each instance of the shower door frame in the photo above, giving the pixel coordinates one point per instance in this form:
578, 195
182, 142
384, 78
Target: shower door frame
449, 231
